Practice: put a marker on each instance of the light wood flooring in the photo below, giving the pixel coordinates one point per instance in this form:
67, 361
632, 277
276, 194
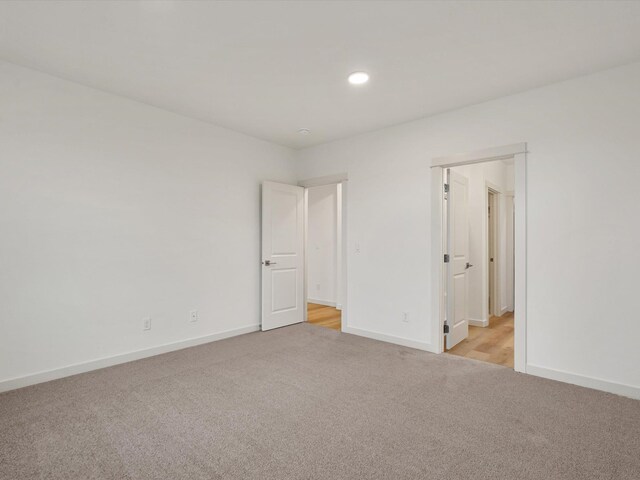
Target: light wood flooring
493, 344
323, 316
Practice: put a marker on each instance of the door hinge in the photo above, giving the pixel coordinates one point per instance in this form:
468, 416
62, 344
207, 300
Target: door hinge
446, 188
446, 258
446, 328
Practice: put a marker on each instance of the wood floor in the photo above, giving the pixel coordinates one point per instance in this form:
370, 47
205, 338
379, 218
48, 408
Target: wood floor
493, 344
323, 316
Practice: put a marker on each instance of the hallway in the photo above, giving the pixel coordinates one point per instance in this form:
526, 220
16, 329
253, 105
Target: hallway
493, 344
324, 316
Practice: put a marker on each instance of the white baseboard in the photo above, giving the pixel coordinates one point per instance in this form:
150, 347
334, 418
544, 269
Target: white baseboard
405, 342
584, 381
46, 376
478, 323
321, 302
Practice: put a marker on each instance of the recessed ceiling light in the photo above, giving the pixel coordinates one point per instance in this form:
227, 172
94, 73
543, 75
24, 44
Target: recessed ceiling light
358, 78
304, 131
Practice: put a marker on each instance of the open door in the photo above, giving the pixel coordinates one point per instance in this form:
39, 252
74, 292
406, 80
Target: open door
458, 266
282, 255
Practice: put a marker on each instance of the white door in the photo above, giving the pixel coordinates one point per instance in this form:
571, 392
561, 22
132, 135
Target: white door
458, 250
282, 255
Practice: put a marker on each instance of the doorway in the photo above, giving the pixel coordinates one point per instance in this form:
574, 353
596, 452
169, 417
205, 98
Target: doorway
478, 241
481, 325
323, 251
303, 266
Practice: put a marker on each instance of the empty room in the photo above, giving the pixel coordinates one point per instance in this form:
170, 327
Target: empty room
319, 240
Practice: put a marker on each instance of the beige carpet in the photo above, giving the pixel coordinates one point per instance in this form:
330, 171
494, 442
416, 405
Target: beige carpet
305, 402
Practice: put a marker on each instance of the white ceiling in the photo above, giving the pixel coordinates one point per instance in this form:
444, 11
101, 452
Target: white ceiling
271, 68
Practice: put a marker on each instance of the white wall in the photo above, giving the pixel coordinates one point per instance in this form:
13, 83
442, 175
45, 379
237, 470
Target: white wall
111, 211
497, 174
582, 323
507, 273
508, 303
322, 244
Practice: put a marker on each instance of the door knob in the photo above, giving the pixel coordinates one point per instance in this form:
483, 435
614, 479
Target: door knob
468, 265
268, 262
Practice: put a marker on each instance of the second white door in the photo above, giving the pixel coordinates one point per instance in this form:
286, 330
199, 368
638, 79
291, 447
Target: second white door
458, 250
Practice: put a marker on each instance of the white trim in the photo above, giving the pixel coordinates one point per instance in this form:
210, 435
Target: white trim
584, 381
520, 263
383, 337
487, 155
46, 376
339, 246
520, 244
437, 265
478, 323
343, 299
321, 302
492, 186
305, 239
321, 181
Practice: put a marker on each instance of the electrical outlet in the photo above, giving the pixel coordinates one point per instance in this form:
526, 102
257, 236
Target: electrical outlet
405, 317
317, 286
146, 323
193, 316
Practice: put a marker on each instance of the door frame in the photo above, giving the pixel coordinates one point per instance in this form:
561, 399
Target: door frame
517, 152
340, 180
